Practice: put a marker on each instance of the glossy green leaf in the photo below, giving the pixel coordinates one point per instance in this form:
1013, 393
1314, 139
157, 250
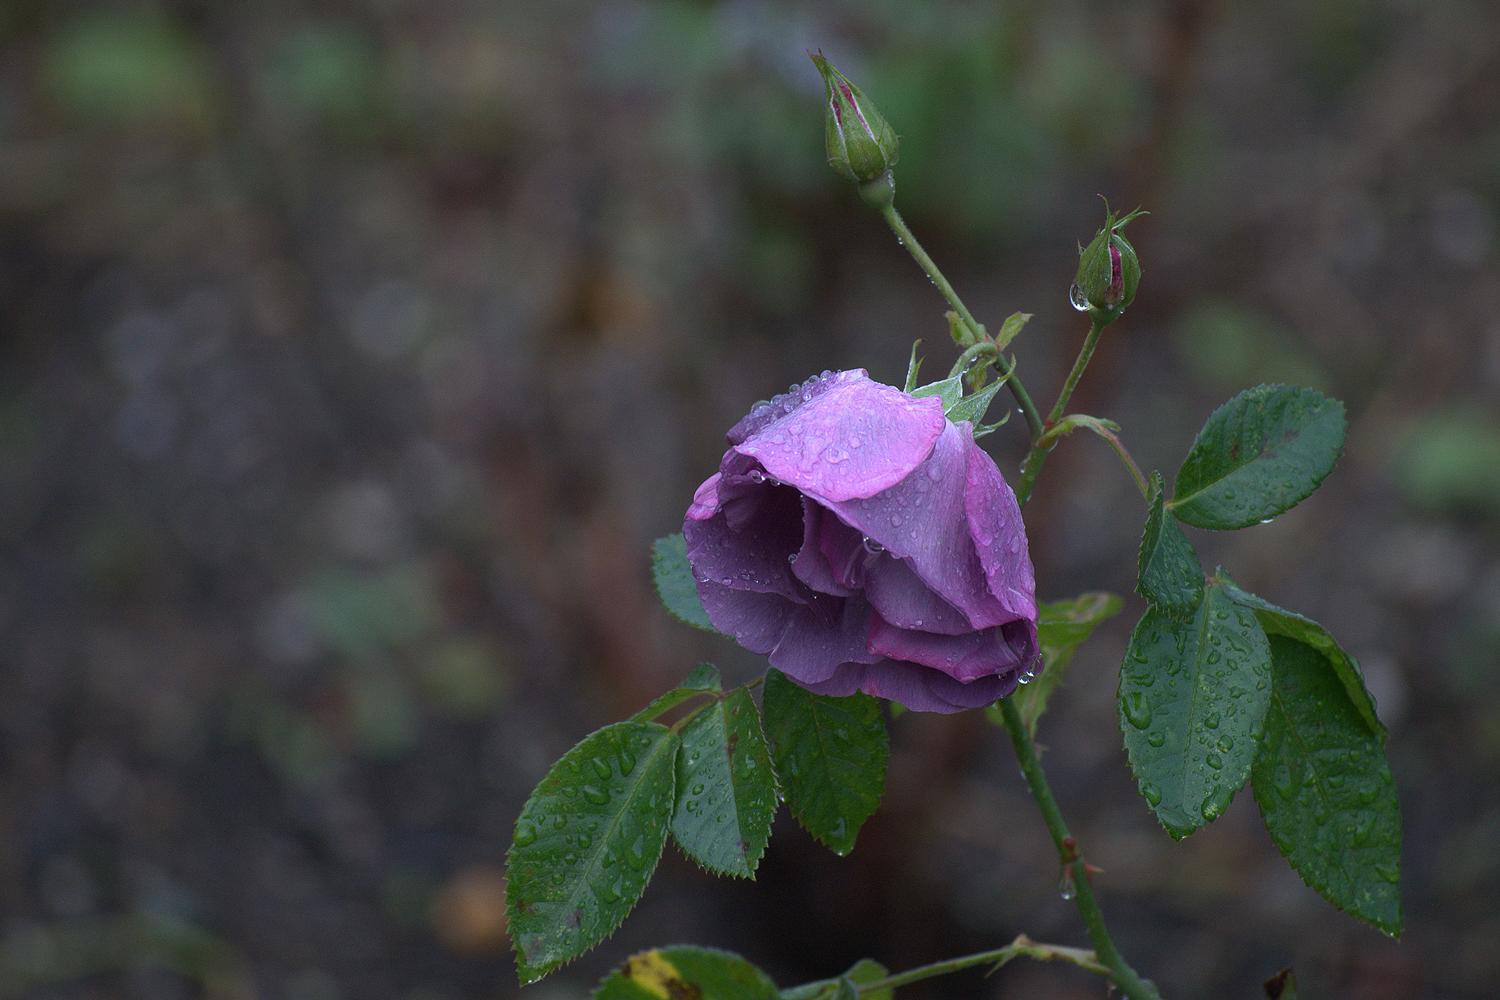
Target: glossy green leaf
1012, 326
1062, 626
949, 390
674, 582
1193, 698
1279, 621
726, 790
587, 842
1325, 790
913, 366
1258, 455
830, 756
1167, 570
702, 679
960, 331
684, 972
972, 406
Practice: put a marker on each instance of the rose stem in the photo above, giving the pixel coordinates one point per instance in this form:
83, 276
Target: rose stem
1022, 945
1039, 448
907, 239
1126, 978
1123, 976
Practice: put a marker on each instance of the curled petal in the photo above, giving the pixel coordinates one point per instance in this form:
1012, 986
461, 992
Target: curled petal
1002, 649
994, 520
843, 437
924, 520
811, 648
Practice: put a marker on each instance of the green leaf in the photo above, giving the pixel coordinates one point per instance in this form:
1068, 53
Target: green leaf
960, 332
866, 970
830, 756
972, 406
1008, 330
1193, 697
587, 842
949, 390
702, 679
674, 582
1279, 621
1325, 790
1258, 455
913, 365
684, 972
1062, 626
726, 790
1167, 571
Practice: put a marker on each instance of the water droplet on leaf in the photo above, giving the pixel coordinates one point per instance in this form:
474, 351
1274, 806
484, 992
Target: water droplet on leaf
1137, 709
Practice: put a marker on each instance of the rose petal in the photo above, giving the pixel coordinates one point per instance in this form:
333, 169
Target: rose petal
748, 543
963, 657
923, 520
756, 620
918, 688
904, 600
812, 564
705, 499
843, 437
994, 519
811, 649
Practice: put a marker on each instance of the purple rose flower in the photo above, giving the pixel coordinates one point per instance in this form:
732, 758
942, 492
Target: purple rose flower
865, 543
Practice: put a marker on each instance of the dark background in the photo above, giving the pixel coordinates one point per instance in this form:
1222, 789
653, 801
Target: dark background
352, 355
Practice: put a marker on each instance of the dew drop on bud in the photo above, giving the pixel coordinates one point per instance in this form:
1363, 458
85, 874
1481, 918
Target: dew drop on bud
1075, 296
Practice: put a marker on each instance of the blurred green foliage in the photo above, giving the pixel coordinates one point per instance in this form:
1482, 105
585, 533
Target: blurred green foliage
129, 68
1450, 463
1231, 346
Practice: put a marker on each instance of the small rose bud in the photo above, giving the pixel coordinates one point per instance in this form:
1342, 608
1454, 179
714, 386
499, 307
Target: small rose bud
861, 145
1108, 272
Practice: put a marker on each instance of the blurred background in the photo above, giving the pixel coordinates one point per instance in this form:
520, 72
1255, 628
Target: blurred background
353, 353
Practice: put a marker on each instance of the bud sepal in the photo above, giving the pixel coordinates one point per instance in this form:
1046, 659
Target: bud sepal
1108, 271
862, 146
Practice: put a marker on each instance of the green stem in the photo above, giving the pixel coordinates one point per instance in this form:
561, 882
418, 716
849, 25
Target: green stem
908, 240
1021, 946
1124, 977
1039, 448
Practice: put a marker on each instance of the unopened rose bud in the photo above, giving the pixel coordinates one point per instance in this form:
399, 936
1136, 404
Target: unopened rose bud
1108, 272
861, 145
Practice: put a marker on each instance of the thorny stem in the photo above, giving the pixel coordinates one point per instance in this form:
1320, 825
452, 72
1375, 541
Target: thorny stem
1040, 447
1106, 958
1120, 972
1002, 364
1021, 946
